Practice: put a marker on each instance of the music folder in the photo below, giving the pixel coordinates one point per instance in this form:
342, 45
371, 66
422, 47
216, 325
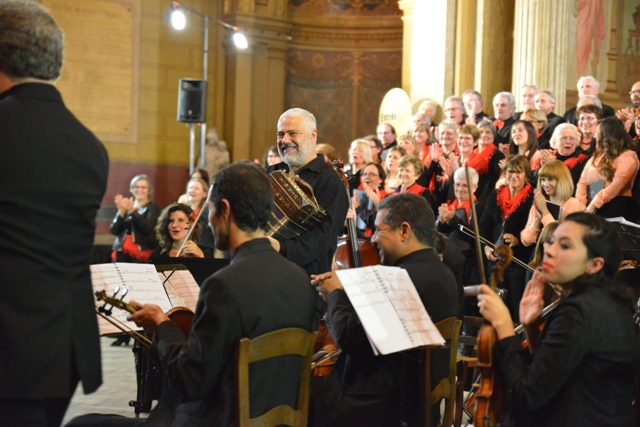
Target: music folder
594, 188
389, 308
144, 284
554, 209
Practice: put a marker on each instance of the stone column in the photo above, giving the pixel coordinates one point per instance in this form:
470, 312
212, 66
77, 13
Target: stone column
428, 49
541, 47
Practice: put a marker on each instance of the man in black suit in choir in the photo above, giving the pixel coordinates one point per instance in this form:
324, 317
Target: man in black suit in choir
53, 172
259, 292
368, 390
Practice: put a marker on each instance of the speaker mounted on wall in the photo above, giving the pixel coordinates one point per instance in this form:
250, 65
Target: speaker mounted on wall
192, 100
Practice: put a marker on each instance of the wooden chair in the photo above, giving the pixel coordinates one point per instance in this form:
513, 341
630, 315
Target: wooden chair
446, 389
283, 342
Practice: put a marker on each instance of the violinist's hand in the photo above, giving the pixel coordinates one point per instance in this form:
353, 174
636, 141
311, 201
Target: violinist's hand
147, 316
510, 240
445, 213
489, 253
355, 200
351, 214
274, 243
494, 310
192, 249
326, 283
532, 300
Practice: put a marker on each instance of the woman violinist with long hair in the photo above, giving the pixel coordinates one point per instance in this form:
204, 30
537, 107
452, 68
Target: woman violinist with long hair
581, 367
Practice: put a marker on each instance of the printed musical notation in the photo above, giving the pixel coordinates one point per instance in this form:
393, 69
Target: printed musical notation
141, 283
389, 308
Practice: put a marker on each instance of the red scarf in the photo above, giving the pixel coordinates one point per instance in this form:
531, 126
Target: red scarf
498, 123
455, 205
507, 205
487, 153
414, 189
535, 165
478, 162
572, 162
538, 135
636, 138
425, 156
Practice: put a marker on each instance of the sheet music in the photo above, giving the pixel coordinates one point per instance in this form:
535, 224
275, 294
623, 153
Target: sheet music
142, 284
184, 285
389, 308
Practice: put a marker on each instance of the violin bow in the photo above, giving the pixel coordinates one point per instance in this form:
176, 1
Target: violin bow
193, 226
476, 232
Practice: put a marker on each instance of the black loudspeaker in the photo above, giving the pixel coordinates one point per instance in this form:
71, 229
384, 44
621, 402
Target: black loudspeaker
192, 101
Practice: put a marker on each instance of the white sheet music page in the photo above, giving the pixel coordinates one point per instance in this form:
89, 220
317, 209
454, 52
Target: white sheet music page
142, 284
389, 308
185, 286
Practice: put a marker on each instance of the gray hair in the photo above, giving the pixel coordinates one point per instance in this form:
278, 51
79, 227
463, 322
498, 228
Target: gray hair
307, 118
532, 86
457, 100
594, 98
448, 123
31, 43
508, 96
595, 82
141, 177
484, 123
472, 92
461, 174
550, 95
558, 131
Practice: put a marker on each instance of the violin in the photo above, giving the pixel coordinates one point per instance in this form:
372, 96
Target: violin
351, 252
490, 403
181, 316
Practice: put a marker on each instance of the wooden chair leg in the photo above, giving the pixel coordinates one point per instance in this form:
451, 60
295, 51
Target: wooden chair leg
461, 379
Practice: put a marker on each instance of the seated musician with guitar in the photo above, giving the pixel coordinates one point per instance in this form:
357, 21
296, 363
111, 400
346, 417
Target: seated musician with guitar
259, 292
584, 361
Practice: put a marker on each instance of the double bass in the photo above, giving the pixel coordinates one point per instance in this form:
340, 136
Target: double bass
351, 252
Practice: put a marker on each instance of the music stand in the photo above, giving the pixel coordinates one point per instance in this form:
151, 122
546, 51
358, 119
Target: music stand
629, 233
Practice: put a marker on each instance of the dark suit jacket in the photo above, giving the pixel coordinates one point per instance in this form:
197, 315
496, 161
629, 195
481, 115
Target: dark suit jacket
259, 292
583, 371
53, 172
368, 390
314, 250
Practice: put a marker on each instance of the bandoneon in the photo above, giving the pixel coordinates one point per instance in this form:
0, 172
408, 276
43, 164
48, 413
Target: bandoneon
295, 209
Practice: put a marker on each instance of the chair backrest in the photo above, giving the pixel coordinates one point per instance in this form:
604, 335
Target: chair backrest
283, 342
446, 389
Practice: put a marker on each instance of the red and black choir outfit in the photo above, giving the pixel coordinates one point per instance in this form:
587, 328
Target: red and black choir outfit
501, 215
487, 181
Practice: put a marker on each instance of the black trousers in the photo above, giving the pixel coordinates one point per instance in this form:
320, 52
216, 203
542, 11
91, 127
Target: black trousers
33, 412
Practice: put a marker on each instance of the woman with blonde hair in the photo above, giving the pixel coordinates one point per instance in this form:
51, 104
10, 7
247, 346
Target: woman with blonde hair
554, 185
394, 155
409, 170
359, 156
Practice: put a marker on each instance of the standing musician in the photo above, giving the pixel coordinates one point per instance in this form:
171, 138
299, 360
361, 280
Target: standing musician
297, 136
368, 390
48, 330
259, 292
584, 361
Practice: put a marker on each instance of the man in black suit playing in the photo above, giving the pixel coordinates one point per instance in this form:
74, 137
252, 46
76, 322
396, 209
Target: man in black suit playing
368, 390
53, 172
259, 292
